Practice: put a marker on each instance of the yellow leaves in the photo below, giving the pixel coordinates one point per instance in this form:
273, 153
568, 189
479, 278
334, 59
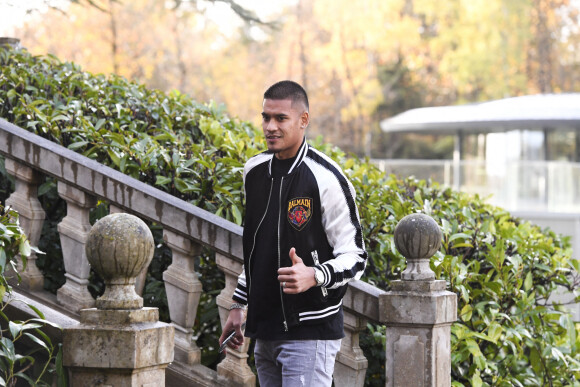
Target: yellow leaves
454, 50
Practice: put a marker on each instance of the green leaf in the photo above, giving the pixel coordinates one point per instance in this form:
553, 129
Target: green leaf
180, 184
473, 348
99, 124
535, 360
237, 215
60, 117
495, 331
37, 341
458, 236
15, 329
123, 163
567, 323
36, 310
528, 282
494, 286
114, 157
9, 351
2, 259
24, 248
47, 322
116, 138
466, 312
162, 180
46, 187
476, 381
418, 198
465, 244
77, 145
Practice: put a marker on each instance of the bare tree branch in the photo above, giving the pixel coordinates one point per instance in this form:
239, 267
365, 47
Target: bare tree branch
245, 14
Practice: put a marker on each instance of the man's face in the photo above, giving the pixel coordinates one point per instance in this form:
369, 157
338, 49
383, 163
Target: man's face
283, 126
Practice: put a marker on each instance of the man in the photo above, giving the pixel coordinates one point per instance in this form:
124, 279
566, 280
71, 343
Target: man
302, 244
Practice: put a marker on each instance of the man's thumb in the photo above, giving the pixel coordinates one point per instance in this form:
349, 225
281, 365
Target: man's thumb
294, 257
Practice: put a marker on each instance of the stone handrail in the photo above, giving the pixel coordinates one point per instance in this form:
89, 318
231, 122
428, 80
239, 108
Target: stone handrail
81, 181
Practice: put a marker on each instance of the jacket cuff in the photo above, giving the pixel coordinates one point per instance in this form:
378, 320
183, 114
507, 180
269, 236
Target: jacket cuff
240, 295
328, 274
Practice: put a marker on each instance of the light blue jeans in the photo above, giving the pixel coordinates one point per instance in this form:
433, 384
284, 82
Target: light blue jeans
295, 363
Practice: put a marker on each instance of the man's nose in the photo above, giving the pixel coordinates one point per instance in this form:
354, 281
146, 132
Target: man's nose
271, 126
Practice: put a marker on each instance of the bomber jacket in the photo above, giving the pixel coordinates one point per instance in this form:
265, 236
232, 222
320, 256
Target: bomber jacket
318, 216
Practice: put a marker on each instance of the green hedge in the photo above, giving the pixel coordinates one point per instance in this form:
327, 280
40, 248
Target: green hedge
502, 268
38, 361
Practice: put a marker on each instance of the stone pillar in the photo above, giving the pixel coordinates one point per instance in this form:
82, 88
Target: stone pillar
351, 364
74, 230
119, 343
418, 311
24, 199
235, 366
183, 293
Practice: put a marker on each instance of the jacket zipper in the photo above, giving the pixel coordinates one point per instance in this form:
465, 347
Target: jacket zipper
317, 263
254, 243
285, 322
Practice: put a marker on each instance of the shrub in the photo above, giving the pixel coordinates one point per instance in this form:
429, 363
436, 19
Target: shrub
16, 361
503, 269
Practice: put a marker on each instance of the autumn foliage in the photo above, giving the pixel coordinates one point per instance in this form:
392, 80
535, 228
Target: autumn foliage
361, 61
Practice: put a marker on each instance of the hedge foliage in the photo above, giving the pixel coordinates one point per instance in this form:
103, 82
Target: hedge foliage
19, 364
504, 270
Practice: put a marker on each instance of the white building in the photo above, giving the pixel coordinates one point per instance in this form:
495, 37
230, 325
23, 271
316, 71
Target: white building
523, 151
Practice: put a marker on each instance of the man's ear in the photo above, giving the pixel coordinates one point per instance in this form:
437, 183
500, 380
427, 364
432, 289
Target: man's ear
304, 120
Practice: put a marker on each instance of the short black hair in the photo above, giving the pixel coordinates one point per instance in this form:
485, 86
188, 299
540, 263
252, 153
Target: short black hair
287, 90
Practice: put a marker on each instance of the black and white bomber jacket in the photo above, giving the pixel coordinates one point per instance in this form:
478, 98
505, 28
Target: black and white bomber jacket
318, 216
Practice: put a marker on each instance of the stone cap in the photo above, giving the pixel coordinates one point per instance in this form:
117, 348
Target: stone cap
112, 317
418, 286
418, 308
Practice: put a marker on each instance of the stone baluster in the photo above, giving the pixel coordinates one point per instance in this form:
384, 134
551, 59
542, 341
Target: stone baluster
235, 366
418, 311
119, 343
74, 230
142, 277
24, 199
351, 364
183, 292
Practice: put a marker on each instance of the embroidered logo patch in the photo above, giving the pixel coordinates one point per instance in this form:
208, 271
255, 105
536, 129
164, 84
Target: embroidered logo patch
299, 212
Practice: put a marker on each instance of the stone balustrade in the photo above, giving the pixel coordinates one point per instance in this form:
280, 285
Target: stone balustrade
186, 229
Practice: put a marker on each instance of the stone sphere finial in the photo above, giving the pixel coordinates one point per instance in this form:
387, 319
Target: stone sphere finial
119, 247
417, 237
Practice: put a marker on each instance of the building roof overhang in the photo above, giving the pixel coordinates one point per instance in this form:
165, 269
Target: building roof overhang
541, 111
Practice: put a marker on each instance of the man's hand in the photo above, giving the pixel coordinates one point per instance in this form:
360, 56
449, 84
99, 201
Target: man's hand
298, 278
234, 322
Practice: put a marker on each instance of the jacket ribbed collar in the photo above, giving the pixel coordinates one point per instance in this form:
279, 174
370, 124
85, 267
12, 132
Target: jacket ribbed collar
302, 151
